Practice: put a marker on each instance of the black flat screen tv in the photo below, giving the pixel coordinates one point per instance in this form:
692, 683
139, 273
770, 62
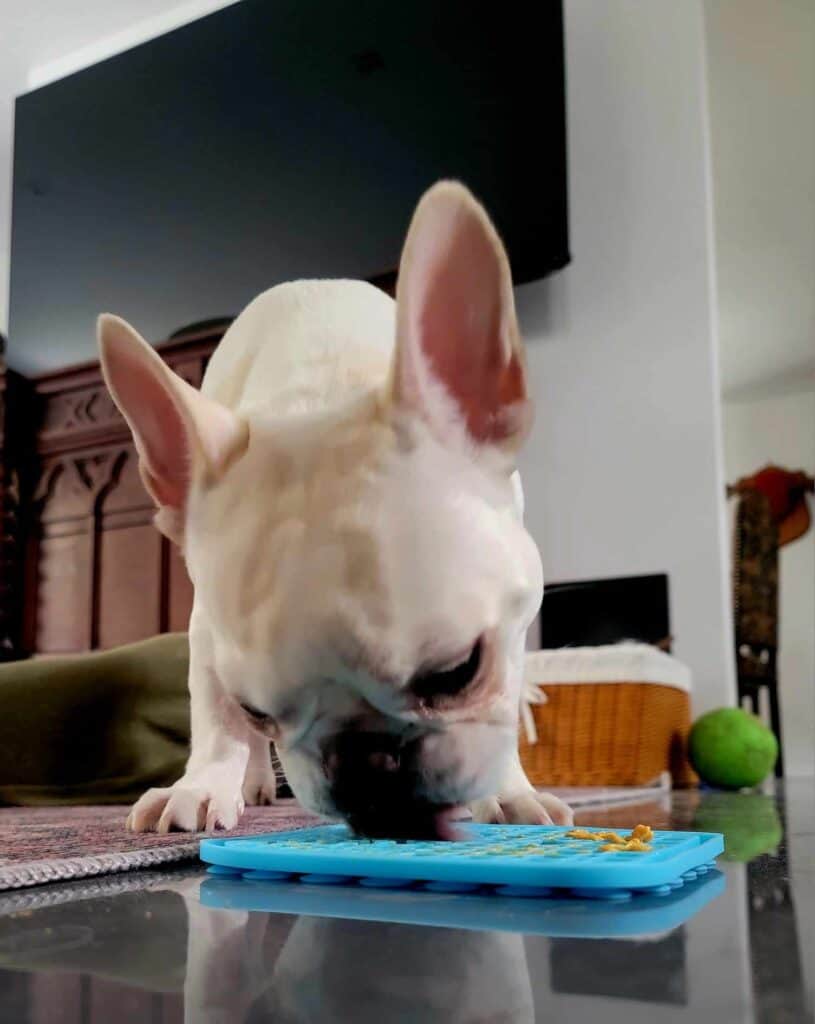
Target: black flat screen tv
275, 140
590, 613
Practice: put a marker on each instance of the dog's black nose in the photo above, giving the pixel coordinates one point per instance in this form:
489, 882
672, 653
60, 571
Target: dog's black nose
373, 781
354, 758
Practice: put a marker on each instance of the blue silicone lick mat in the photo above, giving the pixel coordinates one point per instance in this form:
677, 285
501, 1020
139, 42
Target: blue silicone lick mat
556, 917
529, 860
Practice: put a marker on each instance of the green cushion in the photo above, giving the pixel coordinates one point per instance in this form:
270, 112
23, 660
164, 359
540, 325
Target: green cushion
94, 728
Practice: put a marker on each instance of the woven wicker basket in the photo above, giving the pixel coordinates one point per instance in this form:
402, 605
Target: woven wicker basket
608, 730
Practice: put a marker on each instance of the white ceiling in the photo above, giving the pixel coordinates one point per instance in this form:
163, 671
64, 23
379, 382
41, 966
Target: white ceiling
761, 80
36, 32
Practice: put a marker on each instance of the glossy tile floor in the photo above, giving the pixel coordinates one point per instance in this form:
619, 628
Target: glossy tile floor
735, 947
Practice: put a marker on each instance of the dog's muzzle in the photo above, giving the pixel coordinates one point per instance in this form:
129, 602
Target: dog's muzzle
375, 785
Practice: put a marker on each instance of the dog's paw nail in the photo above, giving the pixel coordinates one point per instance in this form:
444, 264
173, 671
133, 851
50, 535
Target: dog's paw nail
260, 794
184, 808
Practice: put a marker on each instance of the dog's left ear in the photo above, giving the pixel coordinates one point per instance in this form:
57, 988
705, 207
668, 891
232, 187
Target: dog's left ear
178, 432
459, 362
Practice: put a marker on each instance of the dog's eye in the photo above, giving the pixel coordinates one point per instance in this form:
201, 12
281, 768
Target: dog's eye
258, 717
448, 682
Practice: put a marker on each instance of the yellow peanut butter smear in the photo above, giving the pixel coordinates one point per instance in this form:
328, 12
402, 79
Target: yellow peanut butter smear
637, 841
629, 846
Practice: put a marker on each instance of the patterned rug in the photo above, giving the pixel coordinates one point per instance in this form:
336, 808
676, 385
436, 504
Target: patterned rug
48, 844
59, 844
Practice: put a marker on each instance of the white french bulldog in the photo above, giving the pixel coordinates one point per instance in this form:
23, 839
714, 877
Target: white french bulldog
344, 491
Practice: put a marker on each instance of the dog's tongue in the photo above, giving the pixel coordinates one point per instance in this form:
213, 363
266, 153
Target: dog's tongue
446, 823
416, 821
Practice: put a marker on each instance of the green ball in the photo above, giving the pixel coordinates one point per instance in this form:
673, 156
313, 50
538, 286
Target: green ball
732, 749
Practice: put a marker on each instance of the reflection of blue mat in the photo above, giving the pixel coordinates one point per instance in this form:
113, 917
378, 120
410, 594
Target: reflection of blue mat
565, 917
513, 859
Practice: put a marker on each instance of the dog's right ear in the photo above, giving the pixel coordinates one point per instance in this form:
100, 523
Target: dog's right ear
179, 433
459, 362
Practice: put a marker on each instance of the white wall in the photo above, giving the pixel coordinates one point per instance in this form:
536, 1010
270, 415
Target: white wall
761, 59
622, 473
12, 78
781, 429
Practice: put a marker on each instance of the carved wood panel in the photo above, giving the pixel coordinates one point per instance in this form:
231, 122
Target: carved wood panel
129, 584
64, 593
97, 572
75, 411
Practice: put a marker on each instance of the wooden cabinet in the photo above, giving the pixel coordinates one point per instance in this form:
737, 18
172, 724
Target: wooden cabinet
95, 572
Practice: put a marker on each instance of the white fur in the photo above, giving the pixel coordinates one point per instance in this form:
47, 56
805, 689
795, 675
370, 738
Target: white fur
345, 527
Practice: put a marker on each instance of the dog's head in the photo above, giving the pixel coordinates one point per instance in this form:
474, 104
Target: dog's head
363, 580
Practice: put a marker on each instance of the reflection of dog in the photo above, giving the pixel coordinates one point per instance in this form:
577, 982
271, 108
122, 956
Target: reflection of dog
344, 491
410, 973
317, 969
239, 966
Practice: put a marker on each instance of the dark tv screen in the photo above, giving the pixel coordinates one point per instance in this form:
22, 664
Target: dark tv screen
270, 141
590, 613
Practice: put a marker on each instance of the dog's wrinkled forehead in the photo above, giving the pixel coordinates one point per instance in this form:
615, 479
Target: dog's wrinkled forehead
353, 539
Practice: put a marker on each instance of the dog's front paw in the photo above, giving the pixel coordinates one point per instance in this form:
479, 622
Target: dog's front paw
188, 806
260, 789
526, 808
